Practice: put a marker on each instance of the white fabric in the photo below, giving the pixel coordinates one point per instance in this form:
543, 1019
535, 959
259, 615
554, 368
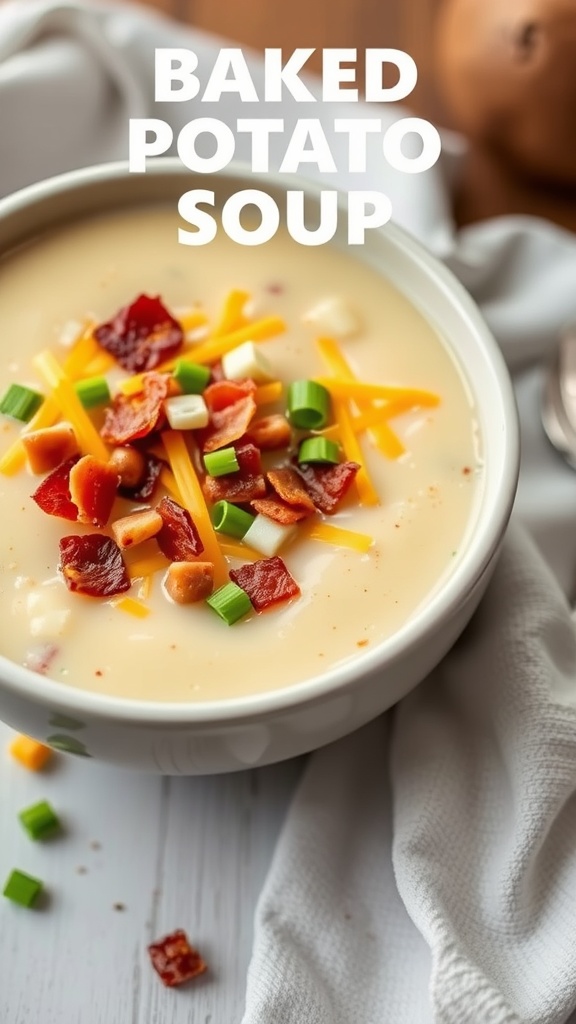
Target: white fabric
427, 868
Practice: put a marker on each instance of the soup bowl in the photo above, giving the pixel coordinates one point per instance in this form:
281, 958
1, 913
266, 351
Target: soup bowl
316, 702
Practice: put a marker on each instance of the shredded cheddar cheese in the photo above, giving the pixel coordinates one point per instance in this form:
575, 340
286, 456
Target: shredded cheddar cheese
336, 535
131, 606
382, 434
232, 317
144, 567
193, 499
341, 388
265, 394
70, 405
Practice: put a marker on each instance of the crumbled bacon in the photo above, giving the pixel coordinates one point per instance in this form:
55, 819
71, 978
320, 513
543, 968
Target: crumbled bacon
93, 565
93, 489
279, 510
327, 485
133, 416
290, 487
175, 960
223, 393
270, 432
145, 490
142, 335
178, 538
267, 582
246, 484
53, 494
228, 424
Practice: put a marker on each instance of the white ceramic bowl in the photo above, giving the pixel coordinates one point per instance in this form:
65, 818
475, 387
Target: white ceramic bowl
202, 738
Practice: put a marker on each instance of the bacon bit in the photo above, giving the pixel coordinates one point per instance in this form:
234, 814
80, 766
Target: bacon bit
136, 528
267, 582
223, 393
53, 494
152, 471
228, 424
270, 432
280, 511
175, 960
178, 538
142, 335
133, 416
245, 485
327, 485
48, 447
288, 484
188, 582
92, 564
93, 489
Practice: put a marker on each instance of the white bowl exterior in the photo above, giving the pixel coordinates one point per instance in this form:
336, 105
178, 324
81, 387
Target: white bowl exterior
230, 735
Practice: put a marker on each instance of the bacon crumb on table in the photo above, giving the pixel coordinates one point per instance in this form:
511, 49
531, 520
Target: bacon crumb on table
175, 960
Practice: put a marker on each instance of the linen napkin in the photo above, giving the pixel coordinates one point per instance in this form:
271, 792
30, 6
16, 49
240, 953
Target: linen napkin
426, 871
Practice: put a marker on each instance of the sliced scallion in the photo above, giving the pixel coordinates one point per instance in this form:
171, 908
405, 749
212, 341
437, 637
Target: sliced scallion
192, 377
20, 402
318, 449
39, 820
22, 888
221, 462
93, 391
230, 602
308, 404
231, 520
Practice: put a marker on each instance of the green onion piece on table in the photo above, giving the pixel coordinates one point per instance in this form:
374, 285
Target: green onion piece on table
221, 462
22, 888
93, 391
20, 402
192, 377
39, 820
230, 602
308, 404
231, 520
318, 449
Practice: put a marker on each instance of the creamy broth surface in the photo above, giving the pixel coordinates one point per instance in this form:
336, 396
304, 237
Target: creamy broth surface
349, 601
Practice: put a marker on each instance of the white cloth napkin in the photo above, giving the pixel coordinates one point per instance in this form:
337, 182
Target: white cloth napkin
426, 871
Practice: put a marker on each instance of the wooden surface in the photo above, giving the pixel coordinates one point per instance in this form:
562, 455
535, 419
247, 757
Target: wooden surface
402, 24
173, 852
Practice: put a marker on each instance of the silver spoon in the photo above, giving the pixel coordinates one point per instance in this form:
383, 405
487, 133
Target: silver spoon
559, 399
558, 408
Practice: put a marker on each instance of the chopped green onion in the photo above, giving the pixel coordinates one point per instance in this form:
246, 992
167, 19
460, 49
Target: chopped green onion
21, 402
221, 462
192, 377
318, 449
231, 520
22, 888
230, 602
93, 391
308, 404
39, 820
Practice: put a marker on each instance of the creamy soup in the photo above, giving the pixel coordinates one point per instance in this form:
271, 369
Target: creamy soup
350, 601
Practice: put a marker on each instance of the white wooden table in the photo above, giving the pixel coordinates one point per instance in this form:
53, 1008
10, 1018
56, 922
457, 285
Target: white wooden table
138, 856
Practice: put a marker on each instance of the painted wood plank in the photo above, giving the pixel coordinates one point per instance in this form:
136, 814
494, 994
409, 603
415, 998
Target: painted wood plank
174, 852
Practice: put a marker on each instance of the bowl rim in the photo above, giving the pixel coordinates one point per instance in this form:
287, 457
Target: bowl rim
472, 565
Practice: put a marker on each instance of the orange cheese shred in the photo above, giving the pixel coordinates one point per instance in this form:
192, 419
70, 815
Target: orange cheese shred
232, 317
317, 530
189, 487
64, 394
